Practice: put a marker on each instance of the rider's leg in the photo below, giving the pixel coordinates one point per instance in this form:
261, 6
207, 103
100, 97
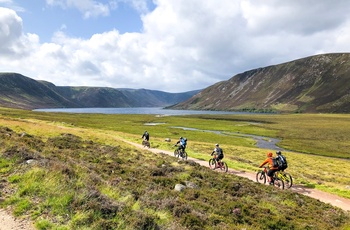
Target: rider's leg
270, 174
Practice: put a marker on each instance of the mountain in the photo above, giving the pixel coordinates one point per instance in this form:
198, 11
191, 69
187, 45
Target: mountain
319, 83
18, 91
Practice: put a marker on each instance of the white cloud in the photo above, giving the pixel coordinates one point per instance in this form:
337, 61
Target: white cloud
13, 44
6, 1
184, 45
89, 8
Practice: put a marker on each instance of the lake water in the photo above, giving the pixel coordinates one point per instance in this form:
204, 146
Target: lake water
148, 110
261, 142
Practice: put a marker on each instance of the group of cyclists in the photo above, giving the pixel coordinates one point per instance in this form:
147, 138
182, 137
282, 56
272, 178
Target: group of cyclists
278, 163
281, 164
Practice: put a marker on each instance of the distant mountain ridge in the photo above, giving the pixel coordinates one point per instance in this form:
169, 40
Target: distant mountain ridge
316, 84
18, 91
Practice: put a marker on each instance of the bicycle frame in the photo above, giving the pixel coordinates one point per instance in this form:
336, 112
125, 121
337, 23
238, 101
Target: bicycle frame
285, 177
261, 177
180, 153
217, 164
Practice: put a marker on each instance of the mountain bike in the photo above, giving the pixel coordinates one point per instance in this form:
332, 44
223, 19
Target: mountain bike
261, 176
146, 143
180, 153
215, 164
286, 178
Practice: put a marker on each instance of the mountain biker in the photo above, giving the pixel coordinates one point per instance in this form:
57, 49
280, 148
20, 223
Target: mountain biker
282, 161
145, 136
183, 142
219, 153
272, 168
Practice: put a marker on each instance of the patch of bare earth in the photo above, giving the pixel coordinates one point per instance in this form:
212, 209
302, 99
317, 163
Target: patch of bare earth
8, 222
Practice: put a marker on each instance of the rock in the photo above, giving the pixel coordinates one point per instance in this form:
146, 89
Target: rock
236, 211
167, 139
179, 187
190, 184
30, 161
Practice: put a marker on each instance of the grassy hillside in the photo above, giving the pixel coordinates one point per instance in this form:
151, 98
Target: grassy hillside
315, 84
72, 171
18, 91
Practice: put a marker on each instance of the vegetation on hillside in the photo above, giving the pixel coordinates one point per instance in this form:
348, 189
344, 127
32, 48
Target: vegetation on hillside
73, 171
315, 84
18, 91
66, 181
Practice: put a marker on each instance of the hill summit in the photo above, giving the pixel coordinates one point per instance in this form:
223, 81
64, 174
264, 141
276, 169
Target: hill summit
313, 84
18, 91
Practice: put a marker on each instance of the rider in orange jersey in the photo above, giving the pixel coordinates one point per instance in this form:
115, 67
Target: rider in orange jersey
272, 169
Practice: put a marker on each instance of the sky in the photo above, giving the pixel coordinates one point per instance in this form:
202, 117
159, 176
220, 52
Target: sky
167, 45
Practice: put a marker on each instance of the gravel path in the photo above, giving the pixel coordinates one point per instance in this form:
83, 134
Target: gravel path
8, 222
325, 197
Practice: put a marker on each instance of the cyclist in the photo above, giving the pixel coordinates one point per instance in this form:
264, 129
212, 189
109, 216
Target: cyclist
272, 168
219, 153
183, 142
145, 136
282, 161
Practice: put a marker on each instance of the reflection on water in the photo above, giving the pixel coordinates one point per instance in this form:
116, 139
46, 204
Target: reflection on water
154, 123
261, 141
141, 110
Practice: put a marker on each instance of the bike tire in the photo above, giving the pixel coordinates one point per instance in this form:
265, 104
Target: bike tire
212, 163
278, 183
224, 167
184, 156
261, 177
146, 144
288, 180
176, 153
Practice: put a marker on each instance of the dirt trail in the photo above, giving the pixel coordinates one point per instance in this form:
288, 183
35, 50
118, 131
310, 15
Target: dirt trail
8, 222
325, 197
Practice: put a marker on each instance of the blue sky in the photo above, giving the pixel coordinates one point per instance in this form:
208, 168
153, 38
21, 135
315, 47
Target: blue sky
46, 18
167, 45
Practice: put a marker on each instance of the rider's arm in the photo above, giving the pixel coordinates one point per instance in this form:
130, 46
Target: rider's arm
265, 162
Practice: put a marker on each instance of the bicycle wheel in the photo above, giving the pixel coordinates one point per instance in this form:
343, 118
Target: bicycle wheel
212, 163
184, 156
224, 166
146, 144
261, 177
278, 183
288, 180
176, 153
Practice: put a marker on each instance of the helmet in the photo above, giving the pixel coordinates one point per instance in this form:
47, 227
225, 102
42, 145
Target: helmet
278, 153
181, 137
269, 154
216, 144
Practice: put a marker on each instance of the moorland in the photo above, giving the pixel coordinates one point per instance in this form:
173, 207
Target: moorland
75, 171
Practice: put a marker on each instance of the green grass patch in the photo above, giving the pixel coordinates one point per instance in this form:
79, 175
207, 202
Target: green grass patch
74, 171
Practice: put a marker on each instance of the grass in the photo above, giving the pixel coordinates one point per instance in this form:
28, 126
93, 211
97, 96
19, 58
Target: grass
83, 175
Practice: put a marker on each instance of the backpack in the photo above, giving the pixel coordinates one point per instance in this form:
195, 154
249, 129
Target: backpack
219, 151
282, 161
183, 141
274, 162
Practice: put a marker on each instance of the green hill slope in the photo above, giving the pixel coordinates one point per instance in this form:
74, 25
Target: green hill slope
318, 83
18, 91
